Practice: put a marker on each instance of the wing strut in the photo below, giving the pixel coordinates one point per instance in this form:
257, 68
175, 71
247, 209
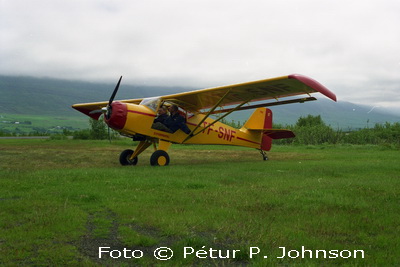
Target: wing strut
205, 117
192, 134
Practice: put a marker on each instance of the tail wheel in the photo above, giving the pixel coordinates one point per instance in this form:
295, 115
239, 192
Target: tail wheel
159, 158
124, 158
264, 155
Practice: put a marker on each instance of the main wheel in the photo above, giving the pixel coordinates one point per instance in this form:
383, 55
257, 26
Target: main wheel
124, 158
159, 158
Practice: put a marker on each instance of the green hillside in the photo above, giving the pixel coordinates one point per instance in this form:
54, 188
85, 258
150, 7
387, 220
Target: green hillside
45, 96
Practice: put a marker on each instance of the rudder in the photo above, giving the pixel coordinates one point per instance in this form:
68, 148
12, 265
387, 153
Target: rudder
266, 142
261, 119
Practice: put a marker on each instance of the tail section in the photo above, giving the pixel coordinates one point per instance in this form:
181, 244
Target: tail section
261, 121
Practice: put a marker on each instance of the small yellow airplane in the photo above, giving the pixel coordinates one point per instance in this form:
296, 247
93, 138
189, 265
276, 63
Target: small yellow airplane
190, 122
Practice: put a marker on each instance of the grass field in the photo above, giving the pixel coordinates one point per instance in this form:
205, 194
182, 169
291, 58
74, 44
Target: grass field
25, 124
62, 200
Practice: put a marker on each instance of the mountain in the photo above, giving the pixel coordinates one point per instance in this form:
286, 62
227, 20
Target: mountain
46, 96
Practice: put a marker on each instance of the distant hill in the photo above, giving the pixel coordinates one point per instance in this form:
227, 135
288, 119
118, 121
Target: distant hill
46, 96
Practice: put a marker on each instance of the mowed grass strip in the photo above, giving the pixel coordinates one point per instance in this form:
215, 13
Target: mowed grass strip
61, 200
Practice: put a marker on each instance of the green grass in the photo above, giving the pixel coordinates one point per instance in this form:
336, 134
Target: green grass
62, 200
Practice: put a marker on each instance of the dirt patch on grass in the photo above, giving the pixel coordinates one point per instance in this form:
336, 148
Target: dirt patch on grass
102, 230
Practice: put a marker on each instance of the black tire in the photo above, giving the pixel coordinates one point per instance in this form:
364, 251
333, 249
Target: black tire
124, 158
159, 158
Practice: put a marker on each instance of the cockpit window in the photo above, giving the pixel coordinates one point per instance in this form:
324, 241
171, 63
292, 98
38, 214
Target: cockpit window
151, 102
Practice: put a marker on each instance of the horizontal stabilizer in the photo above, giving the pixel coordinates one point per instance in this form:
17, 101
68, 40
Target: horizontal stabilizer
276, 133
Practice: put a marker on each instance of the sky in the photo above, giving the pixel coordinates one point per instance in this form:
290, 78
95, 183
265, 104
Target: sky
351, 47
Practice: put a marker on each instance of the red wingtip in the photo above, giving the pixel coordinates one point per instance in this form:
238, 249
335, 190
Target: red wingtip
314, 85
85, 111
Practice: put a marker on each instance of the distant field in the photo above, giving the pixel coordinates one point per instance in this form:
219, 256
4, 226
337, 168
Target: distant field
62, 200
17, 123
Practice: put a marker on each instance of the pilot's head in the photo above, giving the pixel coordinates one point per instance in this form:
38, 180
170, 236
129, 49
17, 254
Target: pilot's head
162, 110
173, 109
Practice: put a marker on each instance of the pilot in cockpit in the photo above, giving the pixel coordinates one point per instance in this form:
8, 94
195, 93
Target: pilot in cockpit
171, 123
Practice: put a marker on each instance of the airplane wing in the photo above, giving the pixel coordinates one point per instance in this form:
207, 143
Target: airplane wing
268, 89
237, 94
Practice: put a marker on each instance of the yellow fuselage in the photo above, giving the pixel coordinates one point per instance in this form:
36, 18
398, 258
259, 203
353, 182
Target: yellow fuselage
139, 120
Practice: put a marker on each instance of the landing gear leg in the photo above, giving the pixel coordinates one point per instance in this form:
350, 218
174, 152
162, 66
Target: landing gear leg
130, 157
264, 155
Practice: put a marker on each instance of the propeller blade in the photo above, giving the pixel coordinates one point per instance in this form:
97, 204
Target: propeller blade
95, 111
115, 92
103, 110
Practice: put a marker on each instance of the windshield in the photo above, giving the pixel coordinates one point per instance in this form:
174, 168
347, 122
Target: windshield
151, 102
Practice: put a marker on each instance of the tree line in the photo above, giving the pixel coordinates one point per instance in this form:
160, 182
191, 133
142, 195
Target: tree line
312, 130
309, 130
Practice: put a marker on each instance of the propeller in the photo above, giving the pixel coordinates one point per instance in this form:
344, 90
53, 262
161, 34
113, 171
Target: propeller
107, 111
109, 108
102, 110
115, 92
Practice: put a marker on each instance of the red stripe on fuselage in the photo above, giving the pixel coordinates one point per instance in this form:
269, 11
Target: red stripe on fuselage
141, 113
257, 143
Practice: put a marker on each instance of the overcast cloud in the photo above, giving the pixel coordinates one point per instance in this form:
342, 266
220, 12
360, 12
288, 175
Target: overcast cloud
352, 47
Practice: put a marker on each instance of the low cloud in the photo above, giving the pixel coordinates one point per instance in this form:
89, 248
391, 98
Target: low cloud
352, 50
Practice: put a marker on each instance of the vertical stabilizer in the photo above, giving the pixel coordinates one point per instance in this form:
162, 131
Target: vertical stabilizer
261, 119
